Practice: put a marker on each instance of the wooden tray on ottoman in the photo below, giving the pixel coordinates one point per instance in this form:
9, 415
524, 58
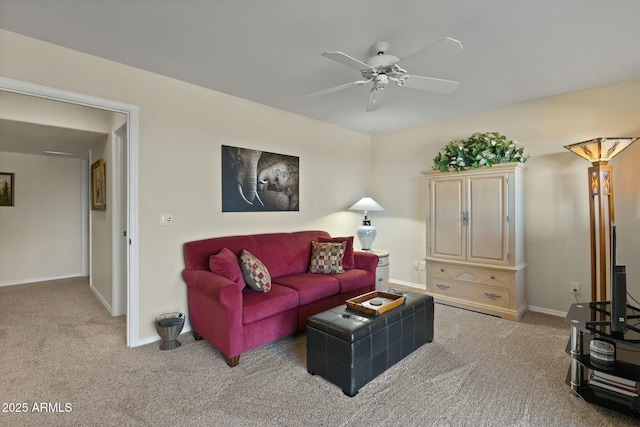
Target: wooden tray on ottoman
375, 302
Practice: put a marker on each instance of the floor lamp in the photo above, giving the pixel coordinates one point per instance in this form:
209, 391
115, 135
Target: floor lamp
601, 207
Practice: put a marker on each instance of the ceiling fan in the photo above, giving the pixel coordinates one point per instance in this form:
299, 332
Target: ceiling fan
383, 67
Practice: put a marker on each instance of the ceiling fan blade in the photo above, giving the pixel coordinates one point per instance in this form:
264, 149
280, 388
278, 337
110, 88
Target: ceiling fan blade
438, 50
347, 60
376, 96
337, 88
429, 83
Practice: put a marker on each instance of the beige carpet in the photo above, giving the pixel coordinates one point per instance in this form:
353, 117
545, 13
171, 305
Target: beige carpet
60, 347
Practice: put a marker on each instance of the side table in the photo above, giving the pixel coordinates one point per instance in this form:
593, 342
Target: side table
382, 272
590, 320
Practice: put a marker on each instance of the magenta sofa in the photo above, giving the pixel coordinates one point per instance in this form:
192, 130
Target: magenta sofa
236, 320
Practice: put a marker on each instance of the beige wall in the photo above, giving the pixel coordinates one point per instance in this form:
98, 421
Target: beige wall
41, 235
557, 236
182, 127
100, 229
53, 113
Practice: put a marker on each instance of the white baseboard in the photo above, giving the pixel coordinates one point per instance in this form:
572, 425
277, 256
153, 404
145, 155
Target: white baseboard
40, 279
548, 311
104, 302
403, 283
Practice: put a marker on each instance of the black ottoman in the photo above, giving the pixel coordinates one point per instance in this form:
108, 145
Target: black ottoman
349, 348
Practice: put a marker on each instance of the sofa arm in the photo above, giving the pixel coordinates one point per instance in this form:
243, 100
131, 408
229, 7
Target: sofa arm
215, 309
213, 285
366, 261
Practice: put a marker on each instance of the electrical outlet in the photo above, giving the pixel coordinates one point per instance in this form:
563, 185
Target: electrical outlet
574, 288
423, 265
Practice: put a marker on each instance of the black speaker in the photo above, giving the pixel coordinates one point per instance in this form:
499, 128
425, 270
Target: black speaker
619, 299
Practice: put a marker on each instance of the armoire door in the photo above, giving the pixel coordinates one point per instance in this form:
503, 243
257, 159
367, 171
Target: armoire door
447, 210
487, 209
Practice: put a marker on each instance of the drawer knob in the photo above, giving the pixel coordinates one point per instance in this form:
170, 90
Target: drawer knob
443, 287
493, 296
442, 270
492, 277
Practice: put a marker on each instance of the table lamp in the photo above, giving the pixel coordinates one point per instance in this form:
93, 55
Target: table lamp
366, 232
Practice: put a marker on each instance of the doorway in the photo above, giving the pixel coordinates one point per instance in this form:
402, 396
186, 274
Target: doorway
125, 254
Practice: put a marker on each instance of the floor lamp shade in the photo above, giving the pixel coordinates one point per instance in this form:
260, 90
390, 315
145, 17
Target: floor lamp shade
366, 232
601, 207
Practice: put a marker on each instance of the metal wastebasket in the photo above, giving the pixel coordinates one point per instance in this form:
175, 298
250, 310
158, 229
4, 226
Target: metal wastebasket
169, 326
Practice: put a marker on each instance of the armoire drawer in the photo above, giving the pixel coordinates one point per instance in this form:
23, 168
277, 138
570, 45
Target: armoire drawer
472, 292
470, 274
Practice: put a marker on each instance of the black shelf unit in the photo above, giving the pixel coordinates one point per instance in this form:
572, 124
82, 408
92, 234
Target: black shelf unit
592, 320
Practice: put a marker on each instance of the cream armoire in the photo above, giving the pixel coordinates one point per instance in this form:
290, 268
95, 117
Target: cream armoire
475, 239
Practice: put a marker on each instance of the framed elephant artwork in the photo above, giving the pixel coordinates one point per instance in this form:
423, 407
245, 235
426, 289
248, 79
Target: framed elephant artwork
254, 181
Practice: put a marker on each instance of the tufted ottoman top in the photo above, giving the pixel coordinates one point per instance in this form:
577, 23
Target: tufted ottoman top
350, 325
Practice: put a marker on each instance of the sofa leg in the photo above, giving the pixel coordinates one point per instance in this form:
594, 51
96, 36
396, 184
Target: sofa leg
232, 361
196, 336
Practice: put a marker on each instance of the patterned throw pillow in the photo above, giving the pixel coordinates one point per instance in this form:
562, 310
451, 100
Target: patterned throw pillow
349, 258
255, 273
326, 257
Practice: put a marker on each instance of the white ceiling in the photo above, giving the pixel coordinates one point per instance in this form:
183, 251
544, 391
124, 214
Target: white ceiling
32, 138
270, 51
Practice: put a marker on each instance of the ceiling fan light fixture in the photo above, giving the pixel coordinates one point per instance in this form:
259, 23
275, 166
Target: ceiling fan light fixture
380, 81
382, 67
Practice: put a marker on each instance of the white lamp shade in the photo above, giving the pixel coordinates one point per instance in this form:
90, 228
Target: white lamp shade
366, 204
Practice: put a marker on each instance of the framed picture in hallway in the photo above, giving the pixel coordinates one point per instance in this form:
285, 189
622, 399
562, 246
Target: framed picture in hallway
7, 185
255, 180
98, 186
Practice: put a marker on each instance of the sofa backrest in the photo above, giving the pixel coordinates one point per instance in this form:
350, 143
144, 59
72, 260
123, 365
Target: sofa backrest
286, 253
281, 253
197, 253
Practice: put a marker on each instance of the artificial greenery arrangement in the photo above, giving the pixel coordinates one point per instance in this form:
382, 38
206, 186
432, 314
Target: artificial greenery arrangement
480, 149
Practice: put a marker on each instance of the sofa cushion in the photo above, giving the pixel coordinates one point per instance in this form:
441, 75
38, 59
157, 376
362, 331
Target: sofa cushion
310, 287
226, 264
354, 279
326, 257
255, 273
348, 260
258, 305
